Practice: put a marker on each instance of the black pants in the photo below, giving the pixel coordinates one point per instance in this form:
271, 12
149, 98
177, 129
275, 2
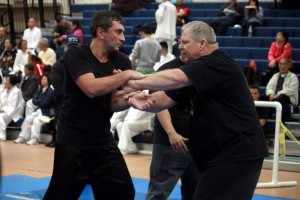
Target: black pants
229, 181
220, 26
105, 170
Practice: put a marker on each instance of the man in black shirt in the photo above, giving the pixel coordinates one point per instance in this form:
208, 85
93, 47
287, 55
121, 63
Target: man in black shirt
170, 158
85, 152
225, 137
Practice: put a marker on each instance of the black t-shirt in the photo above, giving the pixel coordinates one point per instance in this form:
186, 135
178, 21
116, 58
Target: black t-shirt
225, 126
85, 121
179, 113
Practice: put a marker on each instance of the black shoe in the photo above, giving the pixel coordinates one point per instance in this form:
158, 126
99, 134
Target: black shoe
50, 144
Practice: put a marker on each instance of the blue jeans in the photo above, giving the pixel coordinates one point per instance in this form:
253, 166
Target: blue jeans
166, 168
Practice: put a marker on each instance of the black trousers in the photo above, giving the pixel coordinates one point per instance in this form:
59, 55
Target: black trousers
229, 181
105, 170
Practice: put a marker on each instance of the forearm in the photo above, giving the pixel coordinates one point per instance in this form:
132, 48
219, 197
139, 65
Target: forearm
163, 80
118, 102
164, 118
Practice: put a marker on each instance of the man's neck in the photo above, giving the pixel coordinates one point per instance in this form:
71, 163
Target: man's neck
99, 53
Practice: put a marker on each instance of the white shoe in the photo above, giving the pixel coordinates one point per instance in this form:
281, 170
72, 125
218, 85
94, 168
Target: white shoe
2, 139
19, 140
33, 141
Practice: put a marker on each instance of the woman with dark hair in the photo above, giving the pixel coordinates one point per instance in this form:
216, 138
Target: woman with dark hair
253, 16
43, 100
280, 48
77, 30
38, 65
21, 59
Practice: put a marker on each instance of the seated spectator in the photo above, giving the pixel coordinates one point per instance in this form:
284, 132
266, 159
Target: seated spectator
8, 59
229, 15
32, 34
47, 54
62, 28
253, 16
11, 104
283, 87
2, 39
30, 82
146, 52
21, 59
32, 125
165, 57
134, 123
76, 30
281, 48
124, 6
38, 67
263, 112
117, 118
182, 13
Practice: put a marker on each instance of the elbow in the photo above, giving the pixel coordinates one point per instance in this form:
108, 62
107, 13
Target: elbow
179, 78
90, 93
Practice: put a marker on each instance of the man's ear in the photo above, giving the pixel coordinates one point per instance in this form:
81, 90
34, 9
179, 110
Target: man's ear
100, 32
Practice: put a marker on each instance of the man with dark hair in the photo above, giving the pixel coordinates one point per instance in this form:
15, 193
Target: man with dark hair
62, 28
30, 82
146, 52
85, 151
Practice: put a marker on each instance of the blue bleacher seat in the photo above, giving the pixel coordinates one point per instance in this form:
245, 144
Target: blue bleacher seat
81, 7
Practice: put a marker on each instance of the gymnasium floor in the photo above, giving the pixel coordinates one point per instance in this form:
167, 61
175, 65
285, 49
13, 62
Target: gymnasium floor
37, 161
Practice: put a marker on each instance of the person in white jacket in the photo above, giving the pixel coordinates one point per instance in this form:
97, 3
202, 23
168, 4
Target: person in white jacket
11, 104
283, 87
166, 23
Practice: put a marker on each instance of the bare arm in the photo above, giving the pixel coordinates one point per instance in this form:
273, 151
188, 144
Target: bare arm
93, 86
176, 140
163, 80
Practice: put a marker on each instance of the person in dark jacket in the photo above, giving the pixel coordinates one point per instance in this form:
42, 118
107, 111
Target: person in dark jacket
229, 15
32, 125
30, 82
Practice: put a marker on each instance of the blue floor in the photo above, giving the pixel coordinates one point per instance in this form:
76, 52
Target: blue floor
30, 188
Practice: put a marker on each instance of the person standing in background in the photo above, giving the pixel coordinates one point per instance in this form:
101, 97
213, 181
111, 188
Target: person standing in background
166, 19
32, 34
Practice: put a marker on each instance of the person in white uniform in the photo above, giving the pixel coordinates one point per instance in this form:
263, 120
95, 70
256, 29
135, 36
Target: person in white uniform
166, 23
32, 34
11, 104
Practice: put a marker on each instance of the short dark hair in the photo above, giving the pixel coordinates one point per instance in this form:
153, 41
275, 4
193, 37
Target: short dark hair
13, 79
254, 87
163, 44
20, 43
48, 78
58, 18
29, 66
285, 34
104, 20
146, 29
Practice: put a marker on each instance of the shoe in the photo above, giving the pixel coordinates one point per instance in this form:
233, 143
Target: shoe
19, 140
2, 139
33, 141
50, 144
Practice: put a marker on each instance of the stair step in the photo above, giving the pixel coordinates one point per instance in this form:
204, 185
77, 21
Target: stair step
288, 163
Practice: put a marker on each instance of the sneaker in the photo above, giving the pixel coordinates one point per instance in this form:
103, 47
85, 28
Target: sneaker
19, 140
50, 144
33, 141
2, 138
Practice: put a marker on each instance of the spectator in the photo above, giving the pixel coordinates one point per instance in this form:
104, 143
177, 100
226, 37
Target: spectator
47, 54
61, 29
165, 55
263, 112
253, 16
124, 6
229, 15
8, 58
32, 34
170, 161
21, 59
37, 64
77, 30
57, 80
182, 12
30, 82
2, 39
146, 52
134, 123
281, 48
166, 23
11, 104
32, 125
283, 87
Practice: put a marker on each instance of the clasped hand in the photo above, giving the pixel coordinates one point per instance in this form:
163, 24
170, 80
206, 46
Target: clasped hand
139, 100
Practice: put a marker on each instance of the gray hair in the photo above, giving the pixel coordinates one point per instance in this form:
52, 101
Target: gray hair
200, 29
44, 41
